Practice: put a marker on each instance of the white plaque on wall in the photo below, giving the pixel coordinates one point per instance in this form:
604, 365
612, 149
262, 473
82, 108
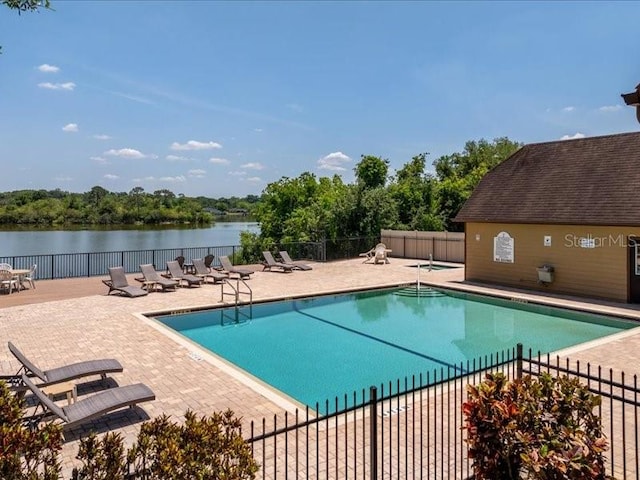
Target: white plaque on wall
503, 248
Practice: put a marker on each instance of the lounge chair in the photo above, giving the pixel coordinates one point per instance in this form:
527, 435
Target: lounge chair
67, 372
149, 275
184, 279
203, 272
228, 268
118, 283
92, 406
270, 263
284, 255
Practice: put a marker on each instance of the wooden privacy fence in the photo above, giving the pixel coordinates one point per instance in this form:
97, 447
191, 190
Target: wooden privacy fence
442, 246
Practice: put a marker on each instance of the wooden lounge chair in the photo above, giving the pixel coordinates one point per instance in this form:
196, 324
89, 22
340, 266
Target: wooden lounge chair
228, 268
149, 275
284, 255
270, 263
66, 372
203, 272
92, 406
184, 279
118, 283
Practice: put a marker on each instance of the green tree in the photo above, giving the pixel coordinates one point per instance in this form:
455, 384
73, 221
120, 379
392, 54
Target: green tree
460, 173
371, 172
414, 192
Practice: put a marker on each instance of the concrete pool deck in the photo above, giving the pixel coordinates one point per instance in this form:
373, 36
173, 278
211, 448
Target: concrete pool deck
64, 321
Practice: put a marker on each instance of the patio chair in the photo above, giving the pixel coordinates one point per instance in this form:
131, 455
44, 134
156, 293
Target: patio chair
93, 406
180, 260
203, 272
118, 283
228, 268
9, 281
30, 277
184, 279
66, 372
380, 254
284, 255
270, 263
150, 276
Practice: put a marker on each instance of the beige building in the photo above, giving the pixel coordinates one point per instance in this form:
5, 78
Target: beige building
560, 216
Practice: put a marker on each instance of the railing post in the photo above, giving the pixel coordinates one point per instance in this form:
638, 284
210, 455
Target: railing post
519, 361
373, 414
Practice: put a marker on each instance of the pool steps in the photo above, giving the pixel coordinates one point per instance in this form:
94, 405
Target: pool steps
415, 292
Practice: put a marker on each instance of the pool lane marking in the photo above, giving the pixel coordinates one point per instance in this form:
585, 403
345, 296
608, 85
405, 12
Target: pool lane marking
380, 340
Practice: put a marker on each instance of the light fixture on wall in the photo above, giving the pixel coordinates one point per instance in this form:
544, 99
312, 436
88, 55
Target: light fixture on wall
633, 100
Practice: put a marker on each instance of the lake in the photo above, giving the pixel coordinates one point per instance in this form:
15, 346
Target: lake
40, 242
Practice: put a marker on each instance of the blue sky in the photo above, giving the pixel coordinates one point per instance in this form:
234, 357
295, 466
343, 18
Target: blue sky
221, 98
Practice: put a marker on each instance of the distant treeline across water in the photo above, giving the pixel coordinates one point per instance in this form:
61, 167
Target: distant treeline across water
38, 242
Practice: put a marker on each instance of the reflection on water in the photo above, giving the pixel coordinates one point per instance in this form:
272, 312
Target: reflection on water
37, 242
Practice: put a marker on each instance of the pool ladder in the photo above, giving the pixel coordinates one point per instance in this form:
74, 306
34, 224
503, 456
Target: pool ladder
236, 290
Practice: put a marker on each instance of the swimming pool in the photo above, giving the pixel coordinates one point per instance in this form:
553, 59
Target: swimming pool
314, 349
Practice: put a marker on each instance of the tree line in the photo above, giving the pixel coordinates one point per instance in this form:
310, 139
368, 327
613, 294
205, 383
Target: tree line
99, 206
301, 209
313, 209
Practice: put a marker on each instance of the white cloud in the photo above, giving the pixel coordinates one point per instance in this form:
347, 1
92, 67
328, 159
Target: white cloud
176, 158
253, 166
101, 136
110, 176
333, 161
100, 160
236, 173
259, 130
69, 86
70, 127
610, 108
254, 179
197, 173
45, 67
178, 179
63, 178
573, 137
219, 161
568, 109
128, 153
194, 145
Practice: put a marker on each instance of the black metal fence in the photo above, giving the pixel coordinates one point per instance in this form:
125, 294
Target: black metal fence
70, 265
413, 428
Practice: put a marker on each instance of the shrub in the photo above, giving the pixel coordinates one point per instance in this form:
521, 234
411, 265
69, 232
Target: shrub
203, 448
26, 453
543, 428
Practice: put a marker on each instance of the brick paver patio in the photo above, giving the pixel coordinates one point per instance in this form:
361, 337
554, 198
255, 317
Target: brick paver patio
63, 321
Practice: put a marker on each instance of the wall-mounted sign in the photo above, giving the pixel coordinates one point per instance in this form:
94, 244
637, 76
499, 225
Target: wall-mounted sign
503, 248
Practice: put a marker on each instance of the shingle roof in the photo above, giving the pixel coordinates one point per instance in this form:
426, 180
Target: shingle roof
588, 181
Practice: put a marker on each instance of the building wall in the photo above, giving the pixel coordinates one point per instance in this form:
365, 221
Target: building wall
588, 261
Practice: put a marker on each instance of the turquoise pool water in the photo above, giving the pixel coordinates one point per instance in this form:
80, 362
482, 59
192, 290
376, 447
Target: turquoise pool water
318, 348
